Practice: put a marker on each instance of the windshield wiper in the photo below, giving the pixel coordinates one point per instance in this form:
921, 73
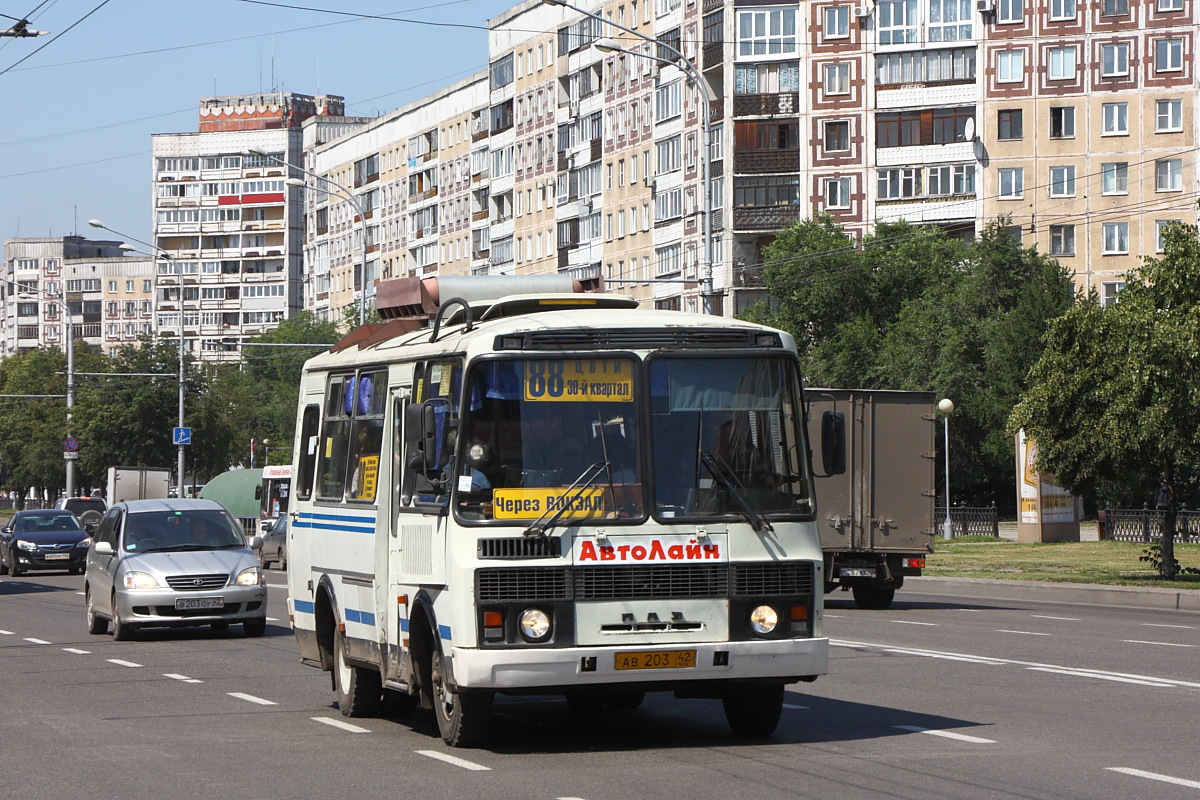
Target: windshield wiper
730, 483
585, 481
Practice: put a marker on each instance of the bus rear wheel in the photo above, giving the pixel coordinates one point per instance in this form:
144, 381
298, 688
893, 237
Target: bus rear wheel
753, 709
462, 715
358, 689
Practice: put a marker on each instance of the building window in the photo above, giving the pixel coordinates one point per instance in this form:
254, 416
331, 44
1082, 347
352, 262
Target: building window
1008, 124
1114, 59
1114, 178
951, 179
666, 102
1010, 66
1160, 225
668, 259
767, 32
1109, 291
837, 193
668, 156
1168, 116
1170, 5
1168, 175
949, 20
837, 136
1115, 118
837, 79
1062, 240
897, 183
896, 21
925, 66
1062, 63
1012, 183
837, 22
1062, 181
1062, 9
1062, 122
1010, 11
766, 78
1110, 8
1116, 238
1168, 55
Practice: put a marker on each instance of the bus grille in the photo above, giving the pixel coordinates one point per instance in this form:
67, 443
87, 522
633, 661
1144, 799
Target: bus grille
772, 578
521, 547
498, 585
615, 583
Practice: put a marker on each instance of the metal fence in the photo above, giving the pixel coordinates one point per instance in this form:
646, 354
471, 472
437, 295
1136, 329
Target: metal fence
30, 503
1145, 524
970, 521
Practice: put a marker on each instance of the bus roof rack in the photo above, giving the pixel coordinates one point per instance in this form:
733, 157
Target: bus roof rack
420, 298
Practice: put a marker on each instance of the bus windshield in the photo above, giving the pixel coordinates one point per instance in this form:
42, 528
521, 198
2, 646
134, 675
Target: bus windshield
726, 437
540, 436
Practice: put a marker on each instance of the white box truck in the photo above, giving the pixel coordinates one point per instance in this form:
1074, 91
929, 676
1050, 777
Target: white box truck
138, 483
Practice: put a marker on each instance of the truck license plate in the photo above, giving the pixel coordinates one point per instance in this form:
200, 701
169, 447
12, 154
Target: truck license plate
857, 572
185, 603
661, 659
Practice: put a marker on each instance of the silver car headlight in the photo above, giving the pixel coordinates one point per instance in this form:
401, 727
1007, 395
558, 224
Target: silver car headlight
252, 576
140, 580
28, 547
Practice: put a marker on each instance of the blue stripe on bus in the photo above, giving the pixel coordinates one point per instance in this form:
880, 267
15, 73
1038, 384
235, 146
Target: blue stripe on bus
404, 625
325, 527
363, 617
444, 632
304, 606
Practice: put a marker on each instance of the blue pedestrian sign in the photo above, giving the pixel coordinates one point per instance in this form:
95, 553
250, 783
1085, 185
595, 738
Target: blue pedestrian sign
181, 436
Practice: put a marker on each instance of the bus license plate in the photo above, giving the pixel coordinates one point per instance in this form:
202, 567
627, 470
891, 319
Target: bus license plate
662, 659
185, 603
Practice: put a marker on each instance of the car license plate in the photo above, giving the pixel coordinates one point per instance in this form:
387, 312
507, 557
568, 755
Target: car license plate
184, 603
857, 572
57, 556
661, 659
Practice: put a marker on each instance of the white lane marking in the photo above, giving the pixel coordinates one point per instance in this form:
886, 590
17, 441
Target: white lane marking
458, 762
7, 633
1161, 625
252, 699
906, 622
184, 678
1083, 671
337, 723
1164, 644
1023, 633
962, 737
77, 651
1154, 776
795, 708
31, 640
121, 663
1064, 619
1100, 676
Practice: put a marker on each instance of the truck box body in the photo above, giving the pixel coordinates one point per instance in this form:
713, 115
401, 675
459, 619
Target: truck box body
880, 511
138, 483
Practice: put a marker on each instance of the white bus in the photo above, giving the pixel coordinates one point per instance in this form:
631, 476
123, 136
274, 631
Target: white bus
556, 494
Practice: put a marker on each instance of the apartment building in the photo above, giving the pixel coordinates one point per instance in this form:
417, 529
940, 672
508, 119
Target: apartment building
56, 287
227, 227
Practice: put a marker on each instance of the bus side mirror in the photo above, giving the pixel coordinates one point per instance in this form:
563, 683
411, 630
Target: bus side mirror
421, 449
258, 492
833, 442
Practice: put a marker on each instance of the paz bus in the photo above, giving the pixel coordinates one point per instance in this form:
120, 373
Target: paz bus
554, 493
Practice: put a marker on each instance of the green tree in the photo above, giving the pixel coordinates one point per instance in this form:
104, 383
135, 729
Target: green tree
910, 307
1115, 396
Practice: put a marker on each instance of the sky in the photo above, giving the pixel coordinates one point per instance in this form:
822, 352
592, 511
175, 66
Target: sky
82, 102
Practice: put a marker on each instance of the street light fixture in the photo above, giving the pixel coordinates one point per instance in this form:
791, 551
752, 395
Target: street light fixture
946, 407
160, 253
346, 195
697, 80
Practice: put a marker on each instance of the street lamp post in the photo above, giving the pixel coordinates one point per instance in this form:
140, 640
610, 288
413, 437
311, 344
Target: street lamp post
349, 197
701, 85
160, 253
946, 408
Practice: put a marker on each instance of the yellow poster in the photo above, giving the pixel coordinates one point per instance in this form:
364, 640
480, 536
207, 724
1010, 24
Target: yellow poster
533, 503
579, 380
366, 477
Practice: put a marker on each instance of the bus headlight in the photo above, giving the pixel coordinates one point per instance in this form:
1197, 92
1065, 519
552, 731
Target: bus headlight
764, 620
535, 624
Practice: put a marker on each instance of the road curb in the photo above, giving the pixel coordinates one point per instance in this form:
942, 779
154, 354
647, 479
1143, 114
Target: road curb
1070, 593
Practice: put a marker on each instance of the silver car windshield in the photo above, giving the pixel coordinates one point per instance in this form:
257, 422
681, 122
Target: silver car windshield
155, 531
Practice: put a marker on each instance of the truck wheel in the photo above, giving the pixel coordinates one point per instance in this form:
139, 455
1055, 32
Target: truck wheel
873, 598
462, 716
753, 709
358, 689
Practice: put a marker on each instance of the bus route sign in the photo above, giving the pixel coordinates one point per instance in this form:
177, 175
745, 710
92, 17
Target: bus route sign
605, 380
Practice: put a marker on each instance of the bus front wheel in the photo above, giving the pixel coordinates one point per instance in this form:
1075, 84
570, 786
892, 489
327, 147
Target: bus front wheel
462, 715
753, 709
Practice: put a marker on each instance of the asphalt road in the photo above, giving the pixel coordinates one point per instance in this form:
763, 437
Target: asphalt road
941, 696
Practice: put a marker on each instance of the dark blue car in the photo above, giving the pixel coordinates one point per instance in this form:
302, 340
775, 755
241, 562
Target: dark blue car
43, 539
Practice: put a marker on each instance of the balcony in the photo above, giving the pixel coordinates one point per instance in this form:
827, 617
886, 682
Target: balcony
766, 161
766, 218
753, 105
714, 54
